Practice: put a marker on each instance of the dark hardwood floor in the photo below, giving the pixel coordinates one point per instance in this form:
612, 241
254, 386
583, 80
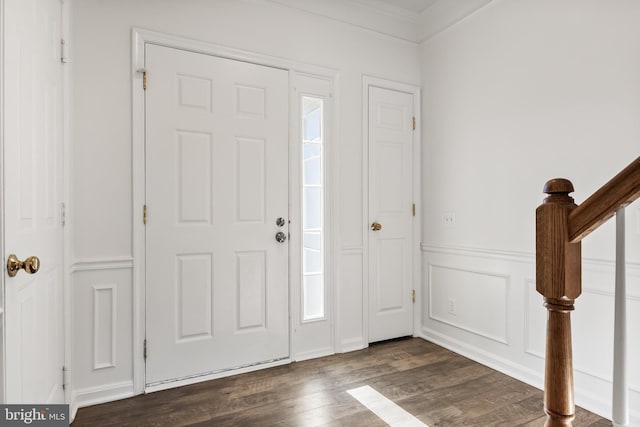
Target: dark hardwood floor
437, 386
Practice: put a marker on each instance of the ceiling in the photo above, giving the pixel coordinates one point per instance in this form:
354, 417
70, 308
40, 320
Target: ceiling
414, 21
413, 6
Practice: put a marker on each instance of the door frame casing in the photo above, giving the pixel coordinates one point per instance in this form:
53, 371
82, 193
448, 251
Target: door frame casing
416, 229
2, 233
139, 38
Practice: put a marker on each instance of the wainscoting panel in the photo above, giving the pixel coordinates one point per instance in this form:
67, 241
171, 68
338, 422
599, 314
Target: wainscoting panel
535, 319
493, 286
102, 327
452, 297
350, 291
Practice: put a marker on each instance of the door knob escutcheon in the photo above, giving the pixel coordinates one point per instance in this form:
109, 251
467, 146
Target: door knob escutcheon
30, 265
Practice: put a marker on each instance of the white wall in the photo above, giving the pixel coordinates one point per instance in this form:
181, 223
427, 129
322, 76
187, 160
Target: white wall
101, 152
518, 93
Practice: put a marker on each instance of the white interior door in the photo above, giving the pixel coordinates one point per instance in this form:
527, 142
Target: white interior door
32, 165
390, 213
216, 182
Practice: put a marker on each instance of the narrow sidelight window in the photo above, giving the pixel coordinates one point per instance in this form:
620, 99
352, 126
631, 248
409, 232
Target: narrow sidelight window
313, 294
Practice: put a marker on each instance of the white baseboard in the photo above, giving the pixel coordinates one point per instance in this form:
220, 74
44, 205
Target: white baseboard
519, 372
592, 402
313, 354
102, 394
353, 344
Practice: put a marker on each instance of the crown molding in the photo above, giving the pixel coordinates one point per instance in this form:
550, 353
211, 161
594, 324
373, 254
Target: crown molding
385, 18
444, 14
388, 21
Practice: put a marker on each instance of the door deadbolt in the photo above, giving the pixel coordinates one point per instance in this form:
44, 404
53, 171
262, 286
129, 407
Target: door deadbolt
280, 222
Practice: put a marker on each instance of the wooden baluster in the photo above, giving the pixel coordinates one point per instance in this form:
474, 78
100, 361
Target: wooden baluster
558, 279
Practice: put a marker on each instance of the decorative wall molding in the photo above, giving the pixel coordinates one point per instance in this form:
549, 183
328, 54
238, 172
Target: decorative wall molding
445, 14
514, 256
92, 264
595, 264
392, 22
500, 338
389, 20
528, 285
355, 249
525, 354
104, 326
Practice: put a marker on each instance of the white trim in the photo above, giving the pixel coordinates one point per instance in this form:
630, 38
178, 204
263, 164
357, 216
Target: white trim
114, 322
353, 344
3, 343
320, 87
416, 268
139, 37
100, 394
392, 24
500, 364
507, 279
329, 351
92, 264
596, 264
66, 199
525, 257
597, 404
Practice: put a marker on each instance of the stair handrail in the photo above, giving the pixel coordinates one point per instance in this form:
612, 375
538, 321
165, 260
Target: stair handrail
560, 227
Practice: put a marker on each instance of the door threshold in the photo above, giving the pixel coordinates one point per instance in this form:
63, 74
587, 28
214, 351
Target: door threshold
221, 373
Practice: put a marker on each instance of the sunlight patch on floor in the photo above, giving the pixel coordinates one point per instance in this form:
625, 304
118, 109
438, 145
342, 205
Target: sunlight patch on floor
384, 408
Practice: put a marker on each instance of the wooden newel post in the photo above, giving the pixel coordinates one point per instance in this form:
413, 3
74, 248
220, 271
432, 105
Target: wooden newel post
558, 279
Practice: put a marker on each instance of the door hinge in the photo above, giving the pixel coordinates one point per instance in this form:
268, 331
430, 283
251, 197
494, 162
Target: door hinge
144, 77
63, 51
144, 349
413, 123
63, 214
413, 209
413, 296
64, 377
144, 214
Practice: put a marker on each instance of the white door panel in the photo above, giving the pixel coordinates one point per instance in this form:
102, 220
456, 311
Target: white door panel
390, 205
32, 166
216, 181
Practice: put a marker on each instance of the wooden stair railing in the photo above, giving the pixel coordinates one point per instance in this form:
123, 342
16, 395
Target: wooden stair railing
560, 227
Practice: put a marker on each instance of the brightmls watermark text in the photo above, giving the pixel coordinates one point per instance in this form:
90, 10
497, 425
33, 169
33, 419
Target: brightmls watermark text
34, 415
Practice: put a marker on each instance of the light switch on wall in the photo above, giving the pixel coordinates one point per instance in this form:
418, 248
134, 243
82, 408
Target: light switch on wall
449, 219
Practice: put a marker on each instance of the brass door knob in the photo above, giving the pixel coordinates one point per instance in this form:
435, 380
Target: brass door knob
30, 265
376, 226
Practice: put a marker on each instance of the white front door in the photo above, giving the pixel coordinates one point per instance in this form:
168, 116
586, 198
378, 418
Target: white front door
390, 213
216, 184
32, 165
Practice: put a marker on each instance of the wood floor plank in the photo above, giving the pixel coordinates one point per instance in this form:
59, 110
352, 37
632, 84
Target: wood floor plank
437, 386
